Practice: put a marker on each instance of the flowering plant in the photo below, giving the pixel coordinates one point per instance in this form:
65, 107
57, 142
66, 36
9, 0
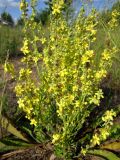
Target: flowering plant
59, 100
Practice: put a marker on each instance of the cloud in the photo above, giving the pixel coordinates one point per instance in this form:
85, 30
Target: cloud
8, 3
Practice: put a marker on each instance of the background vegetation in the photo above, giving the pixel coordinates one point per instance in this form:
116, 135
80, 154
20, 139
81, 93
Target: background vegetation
10, 41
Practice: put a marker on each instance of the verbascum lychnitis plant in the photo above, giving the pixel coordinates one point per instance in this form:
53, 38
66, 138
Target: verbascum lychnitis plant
65, 91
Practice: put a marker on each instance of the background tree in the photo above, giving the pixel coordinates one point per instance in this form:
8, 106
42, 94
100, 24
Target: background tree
43, 16
20, 22
7, 17
49, 3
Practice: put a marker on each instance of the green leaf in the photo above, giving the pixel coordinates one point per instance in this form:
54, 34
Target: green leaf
10, 148
115, 146
14, 142
29, 132
10, 128
103, 153
2, 145
6, 148
7, 144
115, 130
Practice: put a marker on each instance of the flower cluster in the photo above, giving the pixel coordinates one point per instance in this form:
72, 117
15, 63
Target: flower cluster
103, 132
109, 116
25, 48
114, 20
57, 6
28, 99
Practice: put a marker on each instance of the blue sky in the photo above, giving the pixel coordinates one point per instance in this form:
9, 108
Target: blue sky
12, 6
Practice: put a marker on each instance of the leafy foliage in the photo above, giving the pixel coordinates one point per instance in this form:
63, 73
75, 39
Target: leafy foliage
113, 146
103, 153
10, 128
21, 138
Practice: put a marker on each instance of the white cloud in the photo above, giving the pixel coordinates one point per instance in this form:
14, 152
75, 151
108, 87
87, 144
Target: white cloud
8, 3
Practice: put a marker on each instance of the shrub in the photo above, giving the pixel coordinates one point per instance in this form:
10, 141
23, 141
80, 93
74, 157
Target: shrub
62, 100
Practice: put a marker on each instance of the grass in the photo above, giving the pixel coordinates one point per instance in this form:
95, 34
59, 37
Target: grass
10, 41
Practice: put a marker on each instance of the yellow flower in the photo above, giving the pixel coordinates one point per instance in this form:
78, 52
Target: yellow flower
83, 151
43, 40
25, 48
52, 47
5, 68
56, 137
70, 98
87, 56
104, 133
28, 110
46, 60
109, 116
106, 55
114, 21
96, 98
33, 122
57, 7
77, 104
36, 38
35, 59
89, 53
21, 5
63, 72
101, 74
24, 72
93, 31
35, 101
75, 88
84, 59
21, 103
52, 38
95, 140
19, 89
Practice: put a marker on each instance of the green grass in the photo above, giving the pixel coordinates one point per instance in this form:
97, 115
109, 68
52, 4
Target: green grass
10, 41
